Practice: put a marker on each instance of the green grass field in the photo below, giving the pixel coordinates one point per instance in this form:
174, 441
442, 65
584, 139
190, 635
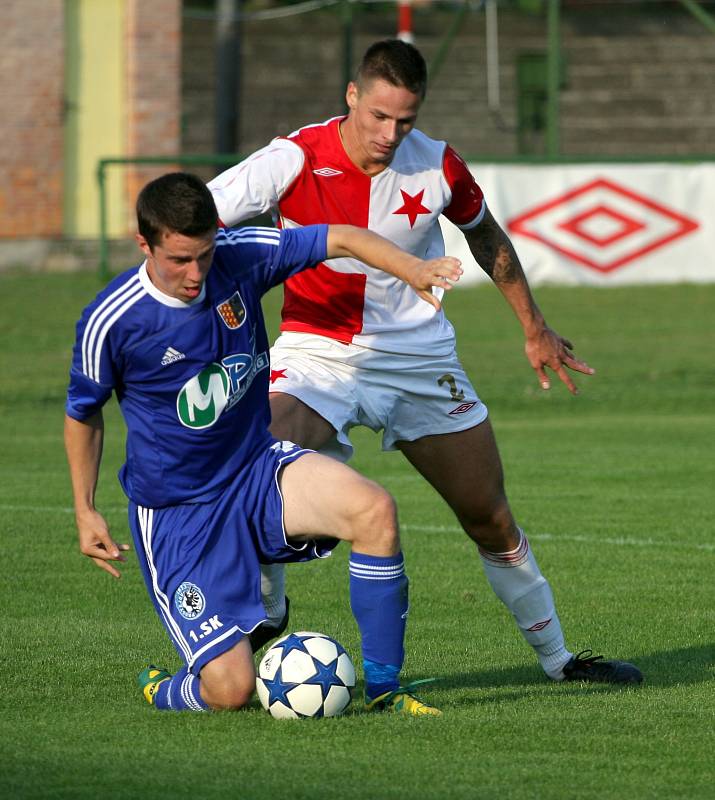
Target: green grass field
615, 488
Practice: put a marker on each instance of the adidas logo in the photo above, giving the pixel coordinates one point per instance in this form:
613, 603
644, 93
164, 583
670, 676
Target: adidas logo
327, 172
170, 356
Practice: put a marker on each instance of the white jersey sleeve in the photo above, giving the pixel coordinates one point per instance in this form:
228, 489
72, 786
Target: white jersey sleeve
255, 185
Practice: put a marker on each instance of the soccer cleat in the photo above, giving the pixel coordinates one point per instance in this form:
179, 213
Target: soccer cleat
403, 700
594, 669
149, 680
264, 633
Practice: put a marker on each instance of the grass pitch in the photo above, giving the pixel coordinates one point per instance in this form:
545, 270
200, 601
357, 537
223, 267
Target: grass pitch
614, 487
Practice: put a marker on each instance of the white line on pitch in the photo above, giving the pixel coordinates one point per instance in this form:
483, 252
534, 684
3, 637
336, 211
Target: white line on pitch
56, 509
620, 541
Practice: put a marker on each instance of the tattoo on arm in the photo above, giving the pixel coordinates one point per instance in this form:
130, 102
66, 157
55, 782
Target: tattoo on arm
494, 252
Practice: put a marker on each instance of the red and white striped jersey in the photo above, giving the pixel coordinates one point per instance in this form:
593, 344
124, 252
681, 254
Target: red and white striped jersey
308, 178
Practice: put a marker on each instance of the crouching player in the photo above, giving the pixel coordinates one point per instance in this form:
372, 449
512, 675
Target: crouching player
212, 495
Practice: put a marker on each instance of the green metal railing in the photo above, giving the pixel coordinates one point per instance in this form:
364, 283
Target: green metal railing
553, 77
224, 159
700, 14
216, 159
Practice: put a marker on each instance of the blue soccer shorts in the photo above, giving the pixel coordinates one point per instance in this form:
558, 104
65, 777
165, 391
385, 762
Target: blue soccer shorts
201, 561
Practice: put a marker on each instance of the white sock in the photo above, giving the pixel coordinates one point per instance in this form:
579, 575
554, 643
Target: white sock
273, 592
517, 581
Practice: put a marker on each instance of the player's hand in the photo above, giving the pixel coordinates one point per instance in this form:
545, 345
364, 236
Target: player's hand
442, 273
548, 349
96, 542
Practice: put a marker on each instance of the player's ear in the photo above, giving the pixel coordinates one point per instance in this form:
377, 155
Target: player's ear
351, 95
143, 244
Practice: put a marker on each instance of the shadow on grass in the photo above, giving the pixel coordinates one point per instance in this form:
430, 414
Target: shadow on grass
682, 667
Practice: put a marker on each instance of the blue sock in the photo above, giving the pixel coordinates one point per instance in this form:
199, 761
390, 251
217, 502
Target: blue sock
180, 693
378, 597
379, 678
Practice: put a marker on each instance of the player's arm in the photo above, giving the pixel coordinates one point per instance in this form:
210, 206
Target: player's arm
495, 254
83, 443
255, 185
376, 251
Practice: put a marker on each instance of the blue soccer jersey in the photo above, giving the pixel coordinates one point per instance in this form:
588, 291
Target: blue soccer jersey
191, 378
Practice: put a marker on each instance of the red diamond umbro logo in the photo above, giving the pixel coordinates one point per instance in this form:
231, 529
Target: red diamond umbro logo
602, 225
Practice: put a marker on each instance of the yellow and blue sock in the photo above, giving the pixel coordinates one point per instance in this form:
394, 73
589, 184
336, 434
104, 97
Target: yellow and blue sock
180, 693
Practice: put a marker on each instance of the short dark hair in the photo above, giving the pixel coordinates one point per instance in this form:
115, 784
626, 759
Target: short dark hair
177, 202
395, 62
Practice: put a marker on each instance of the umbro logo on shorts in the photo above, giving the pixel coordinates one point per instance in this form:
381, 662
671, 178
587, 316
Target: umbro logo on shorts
327, 172
461, 409
170, 356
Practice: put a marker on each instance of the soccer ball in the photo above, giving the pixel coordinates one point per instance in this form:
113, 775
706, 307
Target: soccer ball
305, 674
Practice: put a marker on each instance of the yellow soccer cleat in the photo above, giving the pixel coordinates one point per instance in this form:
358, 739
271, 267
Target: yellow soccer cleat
403, 700
149, 680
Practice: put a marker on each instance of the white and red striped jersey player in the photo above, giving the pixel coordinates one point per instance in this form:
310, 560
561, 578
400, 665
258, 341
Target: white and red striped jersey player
307, 178
359, 349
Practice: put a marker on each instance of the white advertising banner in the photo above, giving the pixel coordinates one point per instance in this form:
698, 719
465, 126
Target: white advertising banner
600, 224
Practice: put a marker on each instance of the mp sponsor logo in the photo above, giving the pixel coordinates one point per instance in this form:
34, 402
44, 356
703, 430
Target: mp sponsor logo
204, 397
217, 388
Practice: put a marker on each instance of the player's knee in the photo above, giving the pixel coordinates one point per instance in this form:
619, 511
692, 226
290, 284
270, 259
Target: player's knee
491, 525
227, 692
374, 521
228, 681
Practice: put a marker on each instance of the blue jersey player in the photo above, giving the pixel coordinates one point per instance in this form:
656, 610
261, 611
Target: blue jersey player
212, 495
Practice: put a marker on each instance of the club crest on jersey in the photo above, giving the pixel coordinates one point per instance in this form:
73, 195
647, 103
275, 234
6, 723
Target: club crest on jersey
412, 206
232, 311
189, 600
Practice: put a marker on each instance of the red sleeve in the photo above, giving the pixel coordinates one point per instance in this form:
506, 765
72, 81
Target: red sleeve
467, 204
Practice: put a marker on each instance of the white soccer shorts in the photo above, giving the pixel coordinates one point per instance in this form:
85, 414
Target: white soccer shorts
405, 396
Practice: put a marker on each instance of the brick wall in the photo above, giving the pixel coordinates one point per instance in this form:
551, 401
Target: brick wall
153, 41
31, 107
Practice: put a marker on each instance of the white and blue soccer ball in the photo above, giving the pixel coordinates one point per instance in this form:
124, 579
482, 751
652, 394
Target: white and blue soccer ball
305, 674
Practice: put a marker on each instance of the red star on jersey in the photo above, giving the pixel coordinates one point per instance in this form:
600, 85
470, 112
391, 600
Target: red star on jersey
412, 206
277, 373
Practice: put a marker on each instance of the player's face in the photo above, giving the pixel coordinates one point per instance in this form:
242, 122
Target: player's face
381, 115
178, 265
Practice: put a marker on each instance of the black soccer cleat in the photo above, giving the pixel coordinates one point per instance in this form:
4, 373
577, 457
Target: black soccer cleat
594, 669
264, 633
